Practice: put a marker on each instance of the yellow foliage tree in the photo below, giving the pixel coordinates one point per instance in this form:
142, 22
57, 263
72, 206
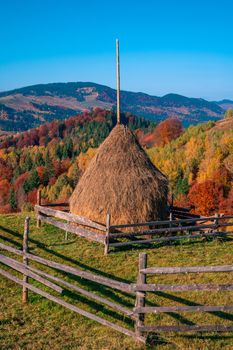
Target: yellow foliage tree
84, 159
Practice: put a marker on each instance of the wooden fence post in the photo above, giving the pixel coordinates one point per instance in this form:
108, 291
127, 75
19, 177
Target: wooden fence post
170, 219
38, 203
140, 296
106, 244
25, 259
66, 233
216, 220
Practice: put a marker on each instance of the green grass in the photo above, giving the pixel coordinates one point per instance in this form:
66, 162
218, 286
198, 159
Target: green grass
42, 324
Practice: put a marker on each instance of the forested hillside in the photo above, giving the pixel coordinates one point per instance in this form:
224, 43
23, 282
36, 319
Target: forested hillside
198, 161
53, 156
199, 166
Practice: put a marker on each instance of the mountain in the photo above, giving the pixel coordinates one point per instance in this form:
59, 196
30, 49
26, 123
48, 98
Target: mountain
225, 104
28, 107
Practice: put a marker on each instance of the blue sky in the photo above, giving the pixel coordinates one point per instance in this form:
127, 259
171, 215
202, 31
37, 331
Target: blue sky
178, 46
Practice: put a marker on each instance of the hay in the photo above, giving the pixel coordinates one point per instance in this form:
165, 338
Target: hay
121, 180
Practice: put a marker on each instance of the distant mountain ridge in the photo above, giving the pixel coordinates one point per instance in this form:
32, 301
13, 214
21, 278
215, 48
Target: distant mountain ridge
28, 107
225, 104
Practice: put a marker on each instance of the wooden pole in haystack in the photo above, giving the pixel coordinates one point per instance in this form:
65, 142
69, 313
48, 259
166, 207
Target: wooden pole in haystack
118, 82
25, 259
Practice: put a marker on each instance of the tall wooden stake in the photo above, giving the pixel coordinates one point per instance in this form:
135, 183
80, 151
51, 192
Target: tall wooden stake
25, 259
106, 244
118, 82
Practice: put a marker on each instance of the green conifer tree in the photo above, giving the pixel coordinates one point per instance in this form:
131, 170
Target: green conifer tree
12, 199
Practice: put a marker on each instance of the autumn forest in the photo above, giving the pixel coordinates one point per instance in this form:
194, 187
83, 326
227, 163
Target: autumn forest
198, 161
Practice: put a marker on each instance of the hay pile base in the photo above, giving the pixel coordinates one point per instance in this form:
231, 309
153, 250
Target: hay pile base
121, 180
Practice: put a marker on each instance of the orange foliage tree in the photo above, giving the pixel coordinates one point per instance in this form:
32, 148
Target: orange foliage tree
165, 132
205, 197
4, 191
168, 130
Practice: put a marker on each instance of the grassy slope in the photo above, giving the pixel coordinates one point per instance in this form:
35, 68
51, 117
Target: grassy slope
42, 325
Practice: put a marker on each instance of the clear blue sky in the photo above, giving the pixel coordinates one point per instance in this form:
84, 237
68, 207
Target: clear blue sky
184, 47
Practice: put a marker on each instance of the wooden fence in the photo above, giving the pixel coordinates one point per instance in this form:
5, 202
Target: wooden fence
181, 213
142, 287
110, 235
138, 289
59, 285
168, 230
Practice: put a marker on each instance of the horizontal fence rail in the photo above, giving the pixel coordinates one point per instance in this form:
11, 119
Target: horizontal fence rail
171, 238
82, 291
168, 309
190, 269
125, 287
162, 230
193, 328
21, 268
83, 232
69, 217
181, 287
166, 222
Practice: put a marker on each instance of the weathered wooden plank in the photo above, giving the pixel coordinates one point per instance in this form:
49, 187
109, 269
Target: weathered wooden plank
80, 231
193, 328
162, 309
11, 249
191, 269
82, 291
173, 208
182, 287
70, 217
55, 205
140, 296
165, 222
185, 214
125, 287
171, 238
21, 268
163, 230
72, 307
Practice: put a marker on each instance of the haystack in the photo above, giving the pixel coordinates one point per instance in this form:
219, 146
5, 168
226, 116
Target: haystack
121, 180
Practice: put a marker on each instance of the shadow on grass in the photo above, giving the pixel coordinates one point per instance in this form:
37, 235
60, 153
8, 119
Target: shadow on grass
98, 307
154, 340
207, 336
183, 242
220, 314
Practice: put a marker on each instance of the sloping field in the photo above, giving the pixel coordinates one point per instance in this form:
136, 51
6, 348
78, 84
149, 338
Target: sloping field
41, 324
